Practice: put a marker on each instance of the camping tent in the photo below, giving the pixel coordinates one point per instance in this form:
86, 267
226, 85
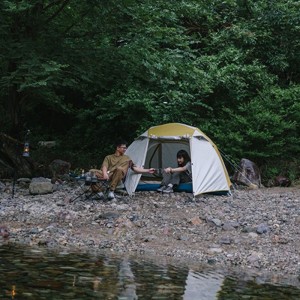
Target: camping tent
158, 146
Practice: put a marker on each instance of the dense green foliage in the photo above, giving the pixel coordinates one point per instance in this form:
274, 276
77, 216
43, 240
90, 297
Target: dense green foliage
86, 72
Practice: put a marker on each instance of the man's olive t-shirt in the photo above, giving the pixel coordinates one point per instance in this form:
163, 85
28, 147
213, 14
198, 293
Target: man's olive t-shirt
112, 162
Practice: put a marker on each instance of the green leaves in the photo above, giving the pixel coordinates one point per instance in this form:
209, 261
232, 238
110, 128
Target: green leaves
106, 69
265, 128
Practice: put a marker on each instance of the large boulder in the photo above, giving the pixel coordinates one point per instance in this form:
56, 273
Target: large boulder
39, 186
247, 174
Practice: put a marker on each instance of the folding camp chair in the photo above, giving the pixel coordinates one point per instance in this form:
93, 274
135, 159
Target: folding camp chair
90, 186
93, 185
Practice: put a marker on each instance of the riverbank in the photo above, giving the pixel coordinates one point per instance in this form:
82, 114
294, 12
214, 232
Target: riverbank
251, 229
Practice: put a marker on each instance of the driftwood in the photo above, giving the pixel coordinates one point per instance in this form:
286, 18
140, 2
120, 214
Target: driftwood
12, 163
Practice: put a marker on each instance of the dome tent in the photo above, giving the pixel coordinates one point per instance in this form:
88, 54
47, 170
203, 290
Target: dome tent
158, 146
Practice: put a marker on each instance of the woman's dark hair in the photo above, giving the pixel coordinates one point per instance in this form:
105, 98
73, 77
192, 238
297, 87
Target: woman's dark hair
184, 155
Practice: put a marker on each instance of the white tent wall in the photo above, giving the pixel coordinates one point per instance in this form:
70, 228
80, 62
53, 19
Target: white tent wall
137, 152
207, 169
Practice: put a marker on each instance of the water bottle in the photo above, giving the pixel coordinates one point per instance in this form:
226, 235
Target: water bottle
94, 177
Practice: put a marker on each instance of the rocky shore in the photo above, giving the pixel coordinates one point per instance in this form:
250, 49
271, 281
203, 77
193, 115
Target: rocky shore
251, 229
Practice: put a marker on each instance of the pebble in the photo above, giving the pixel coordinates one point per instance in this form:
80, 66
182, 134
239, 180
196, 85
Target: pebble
251, 228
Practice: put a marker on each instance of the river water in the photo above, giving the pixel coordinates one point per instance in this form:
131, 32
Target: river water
35, 273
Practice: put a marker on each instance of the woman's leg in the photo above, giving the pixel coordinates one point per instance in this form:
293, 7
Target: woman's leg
175, 178
166, 178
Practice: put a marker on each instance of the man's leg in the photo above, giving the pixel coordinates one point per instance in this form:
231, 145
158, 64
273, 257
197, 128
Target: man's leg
97, 187
115, 179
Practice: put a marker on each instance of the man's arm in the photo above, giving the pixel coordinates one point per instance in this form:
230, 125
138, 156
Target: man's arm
141, 170
105, 173
105, 168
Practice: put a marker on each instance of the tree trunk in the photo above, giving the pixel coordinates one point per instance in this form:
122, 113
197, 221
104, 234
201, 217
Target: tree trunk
14, 101
12, 163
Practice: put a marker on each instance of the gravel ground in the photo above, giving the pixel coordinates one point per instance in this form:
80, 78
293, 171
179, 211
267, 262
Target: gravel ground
251, 229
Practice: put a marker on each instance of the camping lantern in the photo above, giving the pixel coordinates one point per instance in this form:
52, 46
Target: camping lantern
24, 154
26, 145
26, 150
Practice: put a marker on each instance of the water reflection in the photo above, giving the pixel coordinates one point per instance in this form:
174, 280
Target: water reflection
203, 285
38, 274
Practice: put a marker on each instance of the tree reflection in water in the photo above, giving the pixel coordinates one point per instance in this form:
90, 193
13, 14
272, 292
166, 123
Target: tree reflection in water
28, 273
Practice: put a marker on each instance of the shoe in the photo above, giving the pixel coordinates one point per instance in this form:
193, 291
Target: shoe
161, 188
100, 195
168, 190
111, 195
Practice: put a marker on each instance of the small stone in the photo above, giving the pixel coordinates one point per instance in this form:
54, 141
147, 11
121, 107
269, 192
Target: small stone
253, 235
262, 228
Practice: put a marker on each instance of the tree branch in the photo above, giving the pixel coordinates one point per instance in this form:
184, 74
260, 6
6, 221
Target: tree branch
58, 10
52, 4
73, 24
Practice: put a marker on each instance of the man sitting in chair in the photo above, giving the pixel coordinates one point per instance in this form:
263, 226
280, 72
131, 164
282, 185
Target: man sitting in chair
115, 166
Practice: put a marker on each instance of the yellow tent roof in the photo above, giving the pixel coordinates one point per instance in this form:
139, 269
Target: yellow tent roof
172, 129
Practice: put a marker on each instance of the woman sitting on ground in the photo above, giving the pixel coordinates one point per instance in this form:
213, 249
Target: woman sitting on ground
173, 176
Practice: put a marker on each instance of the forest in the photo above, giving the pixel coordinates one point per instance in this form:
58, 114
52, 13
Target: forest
84, 73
